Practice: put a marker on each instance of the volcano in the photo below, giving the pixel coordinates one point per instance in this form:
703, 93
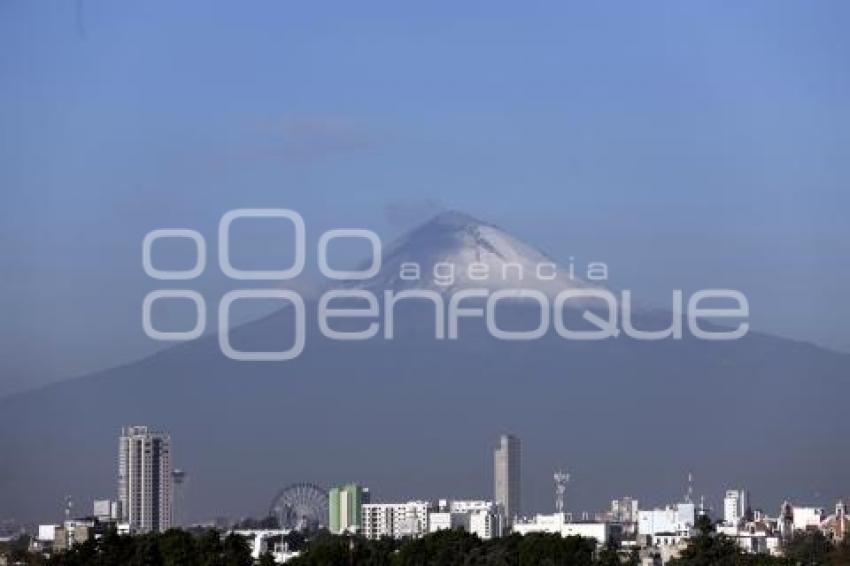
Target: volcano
417, 417
455, 251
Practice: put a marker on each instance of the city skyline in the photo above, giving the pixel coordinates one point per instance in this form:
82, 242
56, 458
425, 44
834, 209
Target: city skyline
658, 533
145, 454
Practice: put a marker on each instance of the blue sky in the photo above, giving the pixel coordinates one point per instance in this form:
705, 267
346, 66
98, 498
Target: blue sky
687, 144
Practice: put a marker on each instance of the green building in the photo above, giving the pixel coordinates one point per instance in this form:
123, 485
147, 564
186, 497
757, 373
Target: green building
344, 504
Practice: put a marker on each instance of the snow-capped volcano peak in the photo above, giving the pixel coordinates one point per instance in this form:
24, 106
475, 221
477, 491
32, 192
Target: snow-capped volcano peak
455, 251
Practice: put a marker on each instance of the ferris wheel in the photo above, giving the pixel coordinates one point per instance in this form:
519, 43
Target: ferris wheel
300, 506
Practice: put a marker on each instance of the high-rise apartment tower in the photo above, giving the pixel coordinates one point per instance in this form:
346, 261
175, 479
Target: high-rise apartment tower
144, 479
506, 476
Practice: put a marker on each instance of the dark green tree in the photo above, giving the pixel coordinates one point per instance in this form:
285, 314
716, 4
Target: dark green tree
325, 549
555, 550
294, 540
811, 548
269, 522
707, 548
209, 548
147, 551
237, 552
178, 548
609, 555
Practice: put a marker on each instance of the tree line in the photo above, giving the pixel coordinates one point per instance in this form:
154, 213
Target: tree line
444, 548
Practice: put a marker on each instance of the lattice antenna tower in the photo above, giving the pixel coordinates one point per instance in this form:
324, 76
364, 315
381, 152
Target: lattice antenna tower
561, 481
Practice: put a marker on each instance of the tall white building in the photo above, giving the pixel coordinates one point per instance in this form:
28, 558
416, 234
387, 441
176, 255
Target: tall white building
144, 479
396, 520
735, 506
506, 476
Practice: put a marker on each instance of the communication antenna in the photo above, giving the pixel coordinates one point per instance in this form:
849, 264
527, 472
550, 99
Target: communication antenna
690, 493
561, 481
69, 506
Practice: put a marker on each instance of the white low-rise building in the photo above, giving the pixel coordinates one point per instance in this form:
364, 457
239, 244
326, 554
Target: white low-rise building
466, 505
486, 524
106, 510
754, 537
479, 517
47, 533
837, 526
671, 520
446, 520
396, 520
259, 541
805, 518
558, 523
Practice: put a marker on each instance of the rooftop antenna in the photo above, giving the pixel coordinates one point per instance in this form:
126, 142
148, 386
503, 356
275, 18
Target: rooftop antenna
690, 493
561, 481
69, 505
